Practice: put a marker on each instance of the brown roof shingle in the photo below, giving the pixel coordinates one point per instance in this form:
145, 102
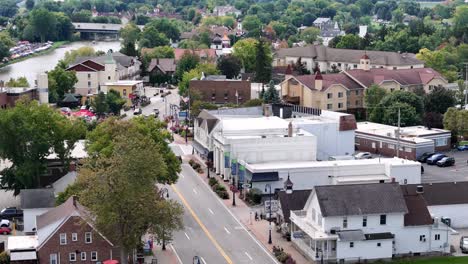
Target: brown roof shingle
443, 193
402, 76
329, 80
418, 214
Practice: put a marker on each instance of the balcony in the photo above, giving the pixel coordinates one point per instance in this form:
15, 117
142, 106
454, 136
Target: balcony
299, 218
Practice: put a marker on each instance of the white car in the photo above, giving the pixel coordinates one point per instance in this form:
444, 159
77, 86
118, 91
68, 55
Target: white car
137, 111
363, 155
5, 222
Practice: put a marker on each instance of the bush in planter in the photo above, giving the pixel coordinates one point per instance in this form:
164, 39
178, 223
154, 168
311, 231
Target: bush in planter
214, 187
196, 166
212, 181
282, 257
223, 194
200, 170
220, 187
191, 162
254, 196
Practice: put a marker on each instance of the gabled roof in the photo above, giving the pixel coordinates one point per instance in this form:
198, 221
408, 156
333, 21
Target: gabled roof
401, 76
165, 65
328, 80
418, 214
49, 222
323, 53
37, 198
360, 199
444, 193
292, 201
121, 59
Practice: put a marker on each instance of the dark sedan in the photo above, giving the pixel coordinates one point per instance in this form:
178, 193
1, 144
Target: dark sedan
423, 158
445, 162
432, 160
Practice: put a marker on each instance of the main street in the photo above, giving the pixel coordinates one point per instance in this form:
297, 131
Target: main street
211, 231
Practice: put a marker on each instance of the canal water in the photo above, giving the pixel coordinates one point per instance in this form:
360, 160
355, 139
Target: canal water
29, 68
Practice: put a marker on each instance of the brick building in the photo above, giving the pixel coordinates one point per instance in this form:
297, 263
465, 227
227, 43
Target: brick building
222, 91
9, 96
413, 141
66, 235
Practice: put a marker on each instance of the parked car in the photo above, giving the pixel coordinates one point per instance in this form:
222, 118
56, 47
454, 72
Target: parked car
5, 222
464, 244
10, 213
363, 155
423, 158
137, 111
4, 230
445, 162
462, 147
432, 160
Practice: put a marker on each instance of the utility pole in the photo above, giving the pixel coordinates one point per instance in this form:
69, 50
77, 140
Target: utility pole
398, 134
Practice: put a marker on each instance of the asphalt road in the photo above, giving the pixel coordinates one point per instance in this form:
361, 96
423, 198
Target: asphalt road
211, 231
162, 104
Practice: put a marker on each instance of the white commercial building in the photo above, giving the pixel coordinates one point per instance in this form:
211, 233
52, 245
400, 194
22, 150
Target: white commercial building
308, 174
353, 223
260, 139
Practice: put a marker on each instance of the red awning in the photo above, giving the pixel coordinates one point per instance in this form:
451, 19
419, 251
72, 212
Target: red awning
110, 261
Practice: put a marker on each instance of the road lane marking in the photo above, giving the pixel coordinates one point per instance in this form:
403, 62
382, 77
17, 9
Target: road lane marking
240, 224
202, 259
227, 231
194, 191
187, 236
213, 240
175, 252
210, 211
247, 254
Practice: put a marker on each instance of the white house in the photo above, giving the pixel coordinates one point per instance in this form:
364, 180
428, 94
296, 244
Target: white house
351, 223
308, 174
448, 201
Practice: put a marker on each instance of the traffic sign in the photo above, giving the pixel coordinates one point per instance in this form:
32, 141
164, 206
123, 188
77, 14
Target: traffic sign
182, 114
274, 206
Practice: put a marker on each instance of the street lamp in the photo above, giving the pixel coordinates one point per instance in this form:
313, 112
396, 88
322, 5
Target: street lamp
268, 186
162, 192
233, 191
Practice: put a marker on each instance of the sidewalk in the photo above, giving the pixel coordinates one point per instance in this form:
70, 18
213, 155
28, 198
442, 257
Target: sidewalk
246, 215
167, 256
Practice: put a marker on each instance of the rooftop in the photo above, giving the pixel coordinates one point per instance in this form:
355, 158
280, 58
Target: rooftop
443, 193
78, 151
22, 242
413, 133
293, 201
257, 123
124, 82
360, 199
37, 198
415, 76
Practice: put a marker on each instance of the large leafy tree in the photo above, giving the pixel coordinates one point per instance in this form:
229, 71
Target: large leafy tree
229, 66
411, 109
245, 50
263, 62
61, 82
30, 132
18, 82
71, 56
100, 105
101, 141
115, 102
372, 97
206, 68
457, 122
439, 100
42, 21
130, 35
187, 62
151, 37
120, 192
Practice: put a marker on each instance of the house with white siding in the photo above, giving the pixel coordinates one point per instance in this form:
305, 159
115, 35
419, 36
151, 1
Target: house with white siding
352, 223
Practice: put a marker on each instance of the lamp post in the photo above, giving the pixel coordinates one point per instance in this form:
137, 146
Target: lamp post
233, 191
164, 192
268, 186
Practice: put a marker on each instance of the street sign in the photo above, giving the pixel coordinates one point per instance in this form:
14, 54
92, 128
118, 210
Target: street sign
274, 206
183, 114
247, 185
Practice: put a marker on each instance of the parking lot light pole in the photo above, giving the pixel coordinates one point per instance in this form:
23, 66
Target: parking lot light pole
268, 186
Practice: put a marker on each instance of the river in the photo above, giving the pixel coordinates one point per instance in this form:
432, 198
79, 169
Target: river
32, 66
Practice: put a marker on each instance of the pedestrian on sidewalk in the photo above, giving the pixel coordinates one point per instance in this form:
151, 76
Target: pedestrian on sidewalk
256, 216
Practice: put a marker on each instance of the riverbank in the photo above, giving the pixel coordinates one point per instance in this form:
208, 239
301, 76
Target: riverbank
56, 45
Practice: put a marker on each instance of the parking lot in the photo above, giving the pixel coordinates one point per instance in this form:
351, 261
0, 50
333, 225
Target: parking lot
458, 172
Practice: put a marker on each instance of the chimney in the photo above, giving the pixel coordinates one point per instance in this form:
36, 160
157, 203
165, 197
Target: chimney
419, 189
290, 129
72, 166
75, 199
318, 81
288, 185
157, 61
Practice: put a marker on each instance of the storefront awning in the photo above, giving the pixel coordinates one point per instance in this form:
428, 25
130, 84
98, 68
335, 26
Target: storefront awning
23, 255
199, 148
265, 176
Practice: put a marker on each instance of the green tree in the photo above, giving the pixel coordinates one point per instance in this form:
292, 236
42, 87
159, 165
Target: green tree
100, 105
457, 122
120, 192
187, 62
263, 62
61, 82
82, 16
408, 115
411, 108
71, 56
30, 132
170, 219
42, 21
8, 8
30, 4
167, 27
271, 95
130, 34
197, 106
229, 66
245, 50
162, 52
64, 27
151, 37
115, 102
439, 100
349, 41
372, 97
310, 34
252, 24
253, 102
19, 82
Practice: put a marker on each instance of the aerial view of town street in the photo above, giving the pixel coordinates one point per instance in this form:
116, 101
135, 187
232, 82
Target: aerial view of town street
233, 131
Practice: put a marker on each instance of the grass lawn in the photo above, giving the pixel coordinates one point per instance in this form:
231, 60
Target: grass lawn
436, 260
463, 142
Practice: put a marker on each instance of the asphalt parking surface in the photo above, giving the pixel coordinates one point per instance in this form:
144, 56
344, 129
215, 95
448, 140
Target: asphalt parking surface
458, 172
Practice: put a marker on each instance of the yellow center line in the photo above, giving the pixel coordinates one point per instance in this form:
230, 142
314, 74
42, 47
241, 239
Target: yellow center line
218, 247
